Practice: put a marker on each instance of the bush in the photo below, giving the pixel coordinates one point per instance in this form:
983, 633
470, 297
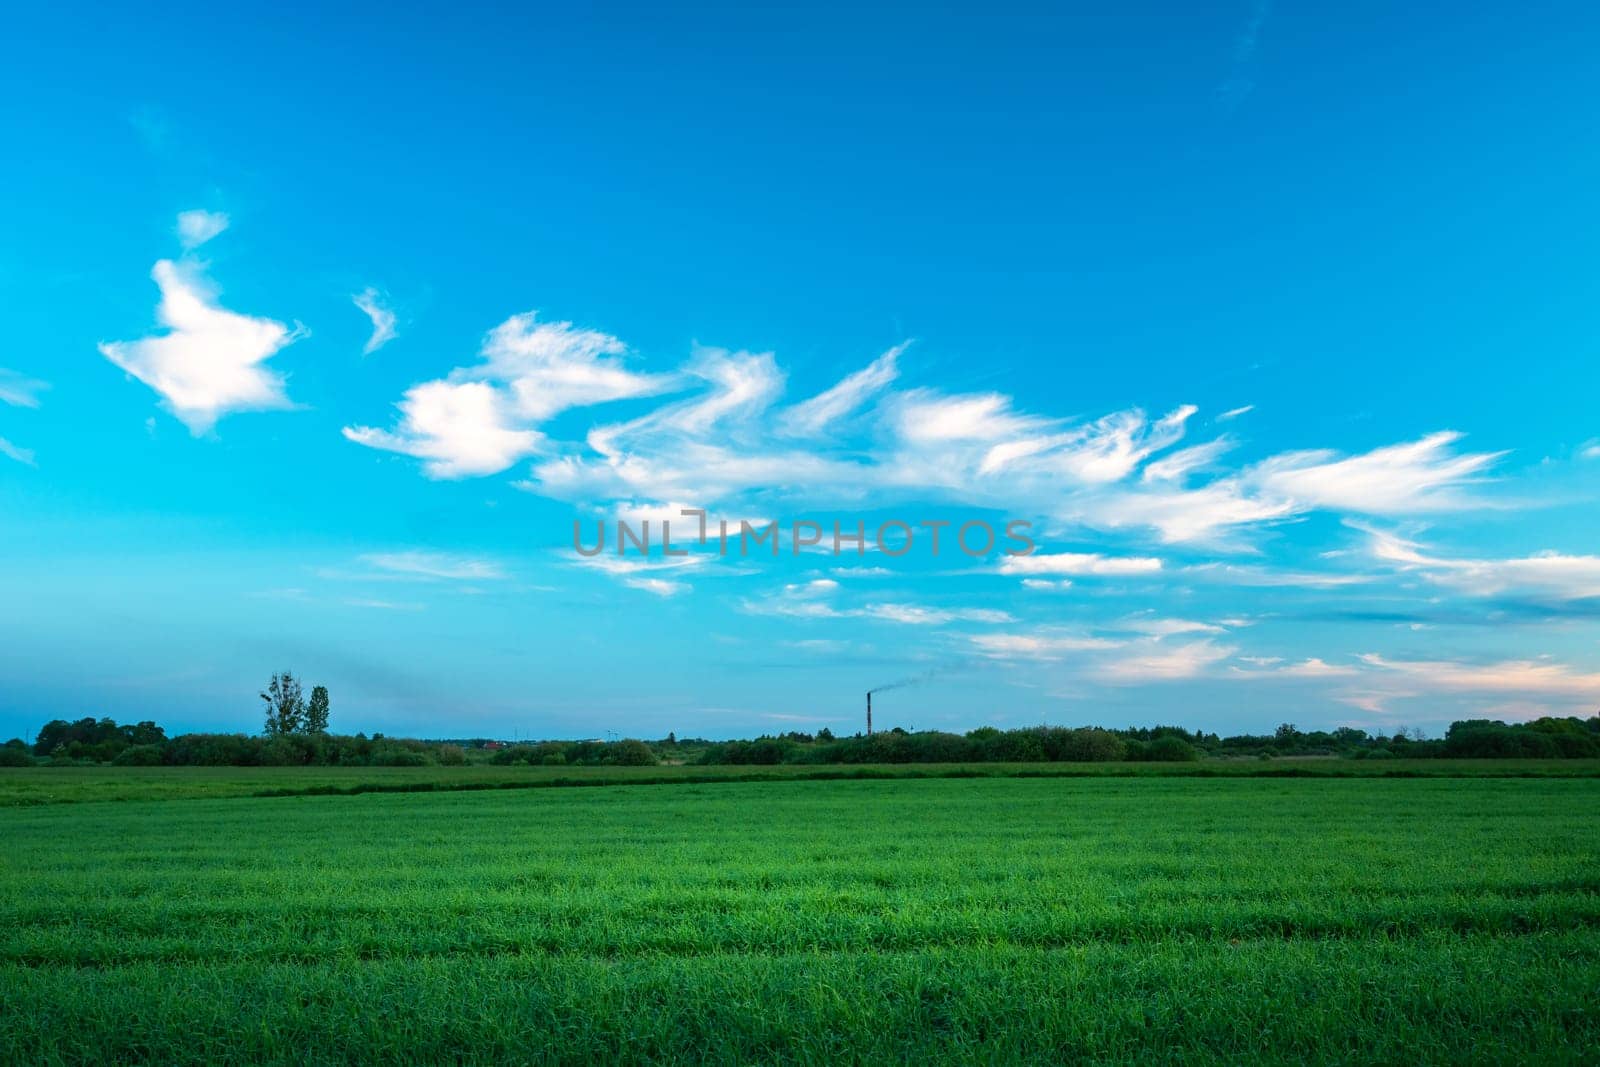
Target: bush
764, 751
13, 757
1171, 750
452, 756
1087, 745
139, 756
394, 753
632, 753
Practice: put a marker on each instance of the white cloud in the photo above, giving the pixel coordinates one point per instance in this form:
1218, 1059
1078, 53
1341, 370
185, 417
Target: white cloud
925, 417
1185, 515
1547, 575
1234, 413
380, 605
480, 420
659, 586
197, 227
19, 390
1159, 627
1110, 660
1417, 477
1042, 644
1374, 682
650, 574
550, 367
814, 599
212, 360
1403, 479
864, 439
1273, 667
1046, 585
627, 565
1507, 676
1080, 563
11, 451
917, 615
459, 430
1180, 464
372, 304
438, 565
1164, 663
1104, 451
1590, 449
1266, 577
813, 416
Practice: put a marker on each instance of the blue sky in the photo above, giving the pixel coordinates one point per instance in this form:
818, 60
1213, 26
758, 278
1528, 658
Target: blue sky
1278, 324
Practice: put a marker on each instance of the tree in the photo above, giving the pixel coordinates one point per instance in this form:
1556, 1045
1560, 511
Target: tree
286, 709
632, 753
317, 711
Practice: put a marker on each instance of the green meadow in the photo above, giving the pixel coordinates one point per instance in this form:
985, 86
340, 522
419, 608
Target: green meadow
1156, 918
74, 784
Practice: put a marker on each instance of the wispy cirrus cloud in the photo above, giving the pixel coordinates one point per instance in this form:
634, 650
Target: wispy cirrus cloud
18, 390
1546, 575
1417, 477
1080, 564
1040, 644
481, 419
1155, 661
211, 361
1521, 676
1375, 683
729, 439
420, 564
815, 599
374, 305
17, 453
812, 417
197, 227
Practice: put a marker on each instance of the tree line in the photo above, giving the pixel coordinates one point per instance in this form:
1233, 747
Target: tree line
1545, 738
296, 733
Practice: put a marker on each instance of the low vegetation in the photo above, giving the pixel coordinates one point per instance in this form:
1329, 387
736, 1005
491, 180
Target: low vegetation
290, 741
1154, 919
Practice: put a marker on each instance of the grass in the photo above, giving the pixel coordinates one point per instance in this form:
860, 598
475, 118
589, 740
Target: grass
61, 785
1152, 919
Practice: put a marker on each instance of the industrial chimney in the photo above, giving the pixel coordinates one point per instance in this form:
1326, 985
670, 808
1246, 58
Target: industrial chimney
869, 713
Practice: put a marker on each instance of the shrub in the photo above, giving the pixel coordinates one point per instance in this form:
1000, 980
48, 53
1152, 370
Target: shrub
632, 753
395, 753
452, 755
139, 756
1086, 745
14, 757
1171, 750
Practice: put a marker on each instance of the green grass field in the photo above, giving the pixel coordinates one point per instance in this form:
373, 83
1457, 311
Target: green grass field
65, 785
1148, 919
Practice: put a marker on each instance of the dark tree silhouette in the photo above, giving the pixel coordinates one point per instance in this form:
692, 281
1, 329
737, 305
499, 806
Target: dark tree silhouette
286, 709
317, 711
